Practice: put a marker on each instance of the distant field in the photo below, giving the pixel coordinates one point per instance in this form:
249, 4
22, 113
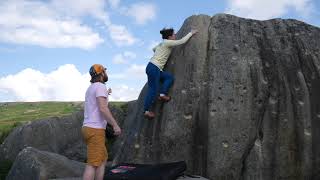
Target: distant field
15, 114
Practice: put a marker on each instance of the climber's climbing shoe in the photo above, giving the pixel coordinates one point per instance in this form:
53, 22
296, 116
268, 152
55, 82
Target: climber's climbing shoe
149, 114
164, 98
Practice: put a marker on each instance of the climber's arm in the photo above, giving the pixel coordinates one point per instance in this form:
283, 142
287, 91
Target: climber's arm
171, 43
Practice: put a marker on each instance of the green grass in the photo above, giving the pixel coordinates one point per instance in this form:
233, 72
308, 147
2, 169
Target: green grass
31, 111
122, 105
15, 114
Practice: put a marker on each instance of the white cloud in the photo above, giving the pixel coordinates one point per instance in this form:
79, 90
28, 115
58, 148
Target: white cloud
64, 84
129, 54
35, 23
114, 3
134, 71
266, 9
142, 12
76, 8
119, 59
137, 70
58, 24
124, 93
120, 35
49, 33
124, 57
96, 8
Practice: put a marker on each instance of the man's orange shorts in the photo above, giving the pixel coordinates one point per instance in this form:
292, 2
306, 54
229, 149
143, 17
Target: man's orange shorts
96, 148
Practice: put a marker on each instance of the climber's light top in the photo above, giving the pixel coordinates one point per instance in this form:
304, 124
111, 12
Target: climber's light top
163, 50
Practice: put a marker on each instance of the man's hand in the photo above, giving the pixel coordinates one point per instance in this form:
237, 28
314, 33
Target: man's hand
109, 91
117, 130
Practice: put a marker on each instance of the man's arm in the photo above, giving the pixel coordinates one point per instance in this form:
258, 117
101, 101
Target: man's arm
104, 109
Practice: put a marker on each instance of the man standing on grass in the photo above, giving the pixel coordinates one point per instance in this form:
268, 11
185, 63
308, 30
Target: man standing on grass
96, 117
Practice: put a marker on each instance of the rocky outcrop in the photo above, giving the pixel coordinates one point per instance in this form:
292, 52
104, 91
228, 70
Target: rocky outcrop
57, 135
32, 164
245, 103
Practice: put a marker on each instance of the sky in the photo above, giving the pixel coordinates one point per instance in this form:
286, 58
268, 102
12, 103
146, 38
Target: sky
48, 46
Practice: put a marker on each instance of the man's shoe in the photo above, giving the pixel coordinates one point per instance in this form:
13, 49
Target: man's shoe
149, 114
164, 98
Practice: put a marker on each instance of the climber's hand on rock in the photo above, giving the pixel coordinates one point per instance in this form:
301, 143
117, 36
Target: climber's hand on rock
194, 31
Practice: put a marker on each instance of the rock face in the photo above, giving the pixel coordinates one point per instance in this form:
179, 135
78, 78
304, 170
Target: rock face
245, 103
57, 135
32, 164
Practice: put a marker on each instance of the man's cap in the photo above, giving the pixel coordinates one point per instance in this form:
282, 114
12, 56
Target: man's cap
96, 69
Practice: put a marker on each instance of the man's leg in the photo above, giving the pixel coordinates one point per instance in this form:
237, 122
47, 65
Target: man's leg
100, 171
89, 172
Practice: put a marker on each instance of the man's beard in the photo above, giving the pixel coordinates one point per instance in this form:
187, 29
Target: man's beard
105, 78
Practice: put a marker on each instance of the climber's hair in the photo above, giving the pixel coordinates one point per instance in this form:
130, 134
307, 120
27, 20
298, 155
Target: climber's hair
166, 33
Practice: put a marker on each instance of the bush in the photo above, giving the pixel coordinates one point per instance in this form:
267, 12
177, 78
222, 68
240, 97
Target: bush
4, 133
6, 130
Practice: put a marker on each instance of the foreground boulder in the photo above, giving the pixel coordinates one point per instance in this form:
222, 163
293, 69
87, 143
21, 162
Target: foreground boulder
245, 103
58, 135
32, 164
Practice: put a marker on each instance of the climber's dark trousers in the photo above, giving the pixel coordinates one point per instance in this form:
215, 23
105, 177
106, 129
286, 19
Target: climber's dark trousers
154, 78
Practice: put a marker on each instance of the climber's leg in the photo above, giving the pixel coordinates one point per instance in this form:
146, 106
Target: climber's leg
167, 80
153, 73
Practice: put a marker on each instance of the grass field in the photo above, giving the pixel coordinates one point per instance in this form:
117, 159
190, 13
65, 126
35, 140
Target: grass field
15, 114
